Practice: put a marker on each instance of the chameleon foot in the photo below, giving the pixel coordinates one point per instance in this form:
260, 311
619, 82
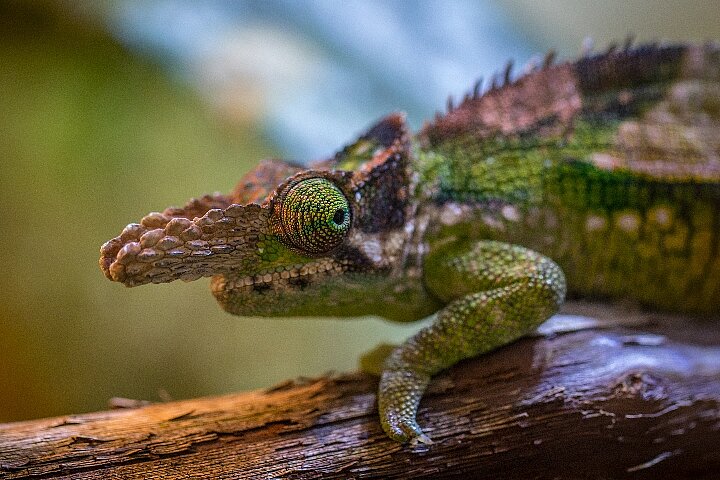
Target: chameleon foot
397, 414
373, 361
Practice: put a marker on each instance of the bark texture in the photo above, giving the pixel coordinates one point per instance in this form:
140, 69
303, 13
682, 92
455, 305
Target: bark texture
611, 402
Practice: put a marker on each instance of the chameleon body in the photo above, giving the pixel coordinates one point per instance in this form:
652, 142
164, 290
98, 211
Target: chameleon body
604, 171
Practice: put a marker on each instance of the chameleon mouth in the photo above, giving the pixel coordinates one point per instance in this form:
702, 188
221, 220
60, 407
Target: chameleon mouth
288, 277
208, 236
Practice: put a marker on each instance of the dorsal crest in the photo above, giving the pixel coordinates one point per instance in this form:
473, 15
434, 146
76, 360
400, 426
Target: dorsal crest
545, 100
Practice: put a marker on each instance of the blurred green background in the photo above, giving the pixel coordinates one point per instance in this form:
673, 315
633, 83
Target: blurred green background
96, 131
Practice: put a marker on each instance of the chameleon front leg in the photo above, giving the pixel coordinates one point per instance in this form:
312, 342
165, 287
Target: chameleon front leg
494, 293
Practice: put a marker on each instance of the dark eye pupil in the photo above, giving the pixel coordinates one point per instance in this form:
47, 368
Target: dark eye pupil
339, 216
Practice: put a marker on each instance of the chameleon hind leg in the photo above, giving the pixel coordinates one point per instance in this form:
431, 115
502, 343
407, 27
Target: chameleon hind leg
494, 293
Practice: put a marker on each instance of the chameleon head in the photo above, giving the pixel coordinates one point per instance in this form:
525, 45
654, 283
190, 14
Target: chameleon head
288, 241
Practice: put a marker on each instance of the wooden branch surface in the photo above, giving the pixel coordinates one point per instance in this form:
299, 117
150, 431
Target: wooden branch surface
598, 403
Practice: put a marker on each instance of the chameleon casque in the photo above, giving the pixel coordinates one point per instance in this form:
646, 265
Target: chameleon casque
604, 171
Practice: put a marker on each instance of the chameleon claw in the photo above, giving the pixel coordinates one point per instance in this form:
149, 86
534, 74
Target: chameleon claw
404, 430
422, 438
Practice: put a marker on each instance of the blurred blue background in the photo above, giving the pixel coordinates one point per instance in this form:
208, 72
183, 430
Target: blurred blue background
111, 109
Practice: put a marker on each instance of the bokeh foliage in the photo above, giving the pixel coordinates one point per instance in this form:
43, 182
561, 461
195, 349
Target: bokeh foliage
90, 138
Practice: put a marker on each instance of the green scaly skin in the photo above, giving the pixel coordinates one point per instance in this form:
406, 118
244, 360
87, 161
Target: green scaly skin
609, 166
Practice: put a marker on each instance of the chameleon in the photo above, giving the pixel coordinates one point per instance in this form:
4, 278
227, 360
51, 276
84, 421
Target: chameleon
593, 178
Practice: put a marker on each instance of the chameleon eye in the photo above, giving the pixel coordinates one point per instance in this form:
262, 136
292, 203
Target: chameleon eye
315, 216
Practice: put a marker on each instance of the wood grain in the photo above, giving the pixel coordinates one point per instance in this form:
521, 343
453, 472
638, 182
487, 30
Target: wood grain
611, 402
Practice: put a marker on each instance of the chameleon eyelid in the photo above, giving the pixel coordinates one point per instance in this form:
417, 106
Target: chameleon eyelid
313, 216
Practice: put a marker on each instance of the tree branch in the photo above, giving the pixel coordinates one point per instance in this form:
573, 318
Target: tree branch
599, 403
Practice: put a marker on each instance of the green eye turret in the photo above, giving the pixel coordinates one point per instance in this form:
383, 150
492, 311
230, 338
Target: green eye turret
314, 216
